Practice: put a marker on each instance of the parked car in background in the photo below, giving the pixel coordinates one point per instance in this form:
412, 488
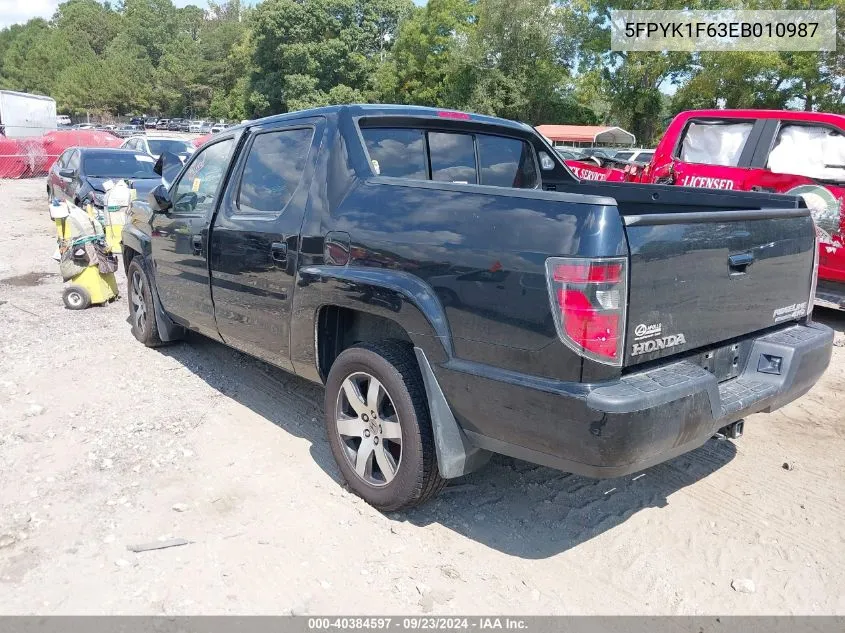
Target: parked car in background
635, 155
794, 152
136, 120
63, 120
156, 145
622, 324
126, 131
184, 125
218, 127
150, 124
205, 128
79, 173
174, 125
195, 126
568, 154
162, 124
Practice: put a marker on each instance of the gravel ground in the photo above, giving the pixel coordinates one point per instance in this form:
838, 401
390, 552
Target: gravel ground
105, 444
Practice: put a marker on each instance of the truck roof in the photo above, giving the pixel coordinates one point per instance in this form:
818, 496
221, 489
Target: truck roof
791, 115
360, 110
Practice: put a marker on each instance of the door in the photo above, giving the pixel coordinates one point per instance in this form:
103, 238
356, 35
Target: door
255, 239
180, 238
57, 186
66, 187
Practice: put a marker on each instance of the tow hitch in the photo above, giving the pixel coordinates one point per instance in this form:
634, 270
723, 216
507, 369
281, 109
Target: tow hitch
732, 431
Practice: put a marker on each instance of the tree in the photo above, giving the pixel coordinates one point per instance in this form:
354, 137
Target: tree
90, 21
303, 50
516, 62
418, 68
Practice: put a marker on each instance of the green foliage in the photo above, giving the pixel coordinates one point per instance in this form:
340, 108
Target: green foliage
540, 61
306, 51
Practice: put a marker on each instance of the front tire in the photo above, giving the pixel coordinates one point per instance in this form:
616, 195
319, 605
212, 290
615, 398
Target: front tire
379, 428
141, 306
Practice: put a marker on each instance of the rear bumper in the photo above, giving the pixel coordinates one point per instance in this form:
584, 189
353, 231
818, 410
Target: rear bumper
614, 429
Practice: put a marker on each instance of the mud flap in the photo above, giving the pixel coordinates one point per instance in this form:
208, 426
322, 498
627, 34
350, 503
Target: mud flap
456, 455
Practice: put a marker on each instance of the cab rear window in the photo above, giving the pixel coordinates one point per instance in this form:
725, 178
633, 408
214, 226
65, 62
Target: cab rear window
457, 157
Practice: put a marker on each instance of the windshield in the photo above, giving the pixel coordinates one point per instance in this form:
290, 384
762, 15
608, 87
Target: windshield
159, 146
119, 166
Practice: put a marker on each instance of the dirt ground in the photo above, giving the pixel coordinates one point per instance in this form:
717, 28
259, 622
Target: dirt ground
105, 444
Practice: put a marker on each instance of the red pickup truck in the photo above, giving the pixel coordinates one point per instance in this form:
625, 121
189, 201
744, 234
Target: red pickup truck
776, 151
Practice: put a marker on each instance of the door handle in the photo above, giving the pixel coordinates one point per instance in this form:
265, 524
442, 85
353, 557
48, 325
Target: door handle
279, 252
196, 242
740, 262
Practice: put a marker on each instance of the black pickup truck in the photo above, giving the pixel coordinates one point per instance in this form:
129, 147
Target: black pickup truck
460, 293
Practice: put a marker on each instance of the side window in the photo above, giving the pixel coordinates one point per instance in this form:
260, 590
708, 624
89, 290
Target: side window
396, 152
506, 162
61, 163
645, 157
273, 170
196, 190
814, 151
452, 157
714, 142
73, 160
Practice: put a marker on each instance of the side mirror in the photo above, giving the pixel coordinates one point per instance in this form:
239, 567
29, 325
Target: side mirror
168, 166
159, 199
67, 173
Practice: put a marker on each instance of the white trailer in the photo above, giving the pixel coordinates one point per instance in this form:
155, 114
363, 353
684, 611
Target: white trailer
23, 114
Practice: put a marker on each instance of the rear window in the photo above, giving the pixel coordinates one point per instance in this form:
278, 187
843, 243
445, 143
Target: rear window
645, 157
456, 157
397, 152
506, 162
624, 155
715, 142
452, 158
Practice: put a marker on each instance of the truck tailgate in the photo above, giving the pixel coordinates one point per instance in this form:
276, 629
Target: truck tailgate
698, 278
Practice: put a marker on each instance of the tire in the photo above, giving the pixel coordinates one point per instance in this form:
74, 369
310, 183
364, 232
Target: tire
407, 448
141, 306
76, 298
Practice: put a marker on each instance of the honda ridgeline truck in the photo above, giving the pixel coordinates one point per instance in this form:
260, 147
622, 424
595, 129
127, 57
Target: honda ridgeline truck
459, 293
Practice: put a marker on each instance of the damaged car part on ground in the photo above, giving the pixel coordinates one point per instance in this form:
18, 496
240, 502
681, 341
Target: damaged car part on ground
460, 293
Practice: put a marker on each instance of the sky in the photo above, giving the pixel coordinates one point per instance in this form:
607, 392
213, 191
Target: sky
19, 11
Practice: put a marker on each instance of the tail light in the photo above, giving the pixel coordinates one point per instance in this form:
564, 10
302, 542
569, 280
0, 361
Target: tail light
589, 300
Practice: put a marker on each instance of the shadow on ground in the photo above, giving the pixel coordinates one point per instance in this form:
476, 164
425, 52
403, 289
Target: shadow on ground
831, 318
512, 506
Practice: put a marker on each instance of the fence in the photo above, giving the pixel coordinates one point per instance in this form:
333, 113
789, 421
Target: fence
32, 156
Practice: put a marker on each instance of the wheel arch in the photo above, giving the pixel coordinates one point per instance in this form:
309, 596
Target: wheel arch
353, 306
377, 304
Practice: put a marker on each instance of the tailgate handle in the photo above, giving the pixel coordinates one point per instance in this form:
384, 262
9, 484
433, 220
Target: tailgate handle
740, 262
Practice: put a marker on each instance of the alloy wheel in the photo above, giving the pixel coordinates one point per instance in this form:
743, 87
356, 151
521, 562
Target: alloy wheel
369, 429
139, 306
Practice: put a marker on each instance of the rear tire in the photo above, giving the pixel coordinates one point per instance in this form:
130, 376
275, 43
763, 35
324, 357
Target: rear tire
379, 428
141, 306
